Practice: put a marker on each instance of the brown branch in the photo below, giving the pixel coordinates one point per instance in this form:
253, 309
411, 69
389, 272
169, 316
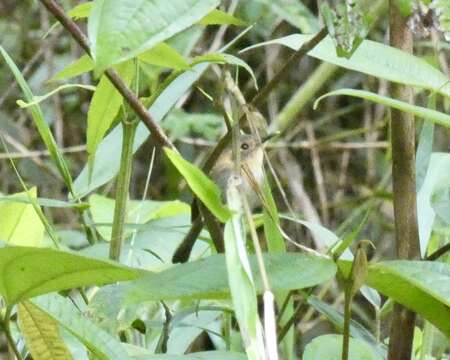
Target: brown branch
156, 131
439, 252
404, 188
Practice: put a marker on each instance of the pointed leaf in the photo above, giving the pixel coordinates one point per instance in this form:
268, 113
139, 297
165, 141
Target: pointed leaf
99, 342
207, 278
104, 107
19, 222
26, 272
166, 56
80, 66
121, 29
41, 333
376, 59
219, 17
429, 114
422, 286
201, 185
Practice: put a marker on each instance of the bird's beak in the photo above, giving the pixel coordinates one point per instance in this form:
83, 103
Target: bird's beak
266, 138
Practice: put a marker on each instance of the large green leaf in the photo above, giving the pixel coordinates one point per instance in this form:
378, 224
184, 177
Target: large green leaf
41, 333
200, 184
376, 59
26, 272
329, 347
122, 29
429, 114
104, 107
207, 278
138, 212
422, 286
19, 222
99, 342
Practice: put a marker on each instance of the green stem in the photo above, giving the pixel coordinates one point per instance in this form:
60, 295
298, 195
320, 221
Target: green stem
303, 95
123, 184
9, 337
347, 314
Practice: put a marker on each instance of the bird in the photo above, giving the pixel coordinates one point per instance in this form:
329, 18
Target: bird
252, 174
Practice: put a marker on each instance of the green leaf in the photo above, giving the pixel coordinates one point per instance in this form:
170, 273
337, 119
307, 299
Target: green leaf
436, 180
429, 114
295, 13
80, 66
104, 107
356, 329
219, 17
424, 151
201, 185
116, 34
329, 347
39, 121
240, 279
421, 286
39, 98
376, 59
166, 56
26, 272
81, 10
138, 212
19, 222
99, 342
41, 333
42, 201
207, 278
220, 58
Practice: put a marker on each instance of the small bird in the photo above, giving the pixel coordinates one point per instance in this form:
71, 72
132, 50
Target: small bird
251, 160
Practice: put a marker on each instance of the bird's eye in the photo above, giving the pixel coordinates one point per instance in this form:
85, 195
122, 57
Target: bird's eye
244, 146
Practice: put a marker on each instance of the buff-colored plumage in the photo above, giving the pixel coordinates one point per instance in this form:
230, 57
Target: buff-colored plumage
251, 152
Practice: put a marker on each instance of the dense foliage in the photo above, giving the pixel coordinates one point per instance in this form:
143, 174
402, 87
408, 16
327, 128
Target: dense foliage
93, 208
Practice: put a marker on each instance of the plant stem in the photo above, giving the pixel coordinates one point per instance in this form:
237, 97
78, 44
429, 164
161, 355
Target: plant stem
304, 94
347, 315
7, 328
404, 188
123, 184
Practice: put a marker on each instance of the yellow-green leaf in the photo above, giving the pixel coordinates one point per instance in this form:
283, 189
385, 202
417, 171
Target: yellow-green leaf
200, 184
165, 56
41, 334
104, 107
78, 67
19, 223
219, 17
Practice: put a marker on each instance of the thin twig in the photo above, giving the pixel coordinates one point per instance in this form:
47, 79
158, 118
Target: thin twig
41, 153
